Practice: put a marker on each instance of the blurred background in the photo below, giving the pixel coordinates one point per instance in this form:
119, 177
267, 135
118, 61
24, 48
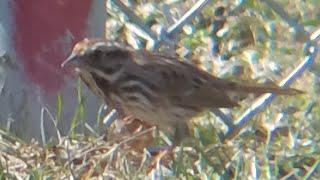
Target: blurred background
35, 37
262, 41
244, 40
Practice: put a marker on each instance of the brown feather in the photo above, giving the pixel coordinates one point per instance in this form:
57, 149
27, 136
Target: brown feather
155, 88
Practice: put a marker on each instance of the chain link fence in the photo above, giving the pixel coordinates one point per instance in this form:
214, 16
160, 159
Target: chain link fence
222, 13
255, 41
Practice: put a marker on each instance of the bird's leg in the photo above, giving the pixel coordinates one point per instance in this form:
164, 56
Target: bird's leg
120, 116
115, 117
181, 132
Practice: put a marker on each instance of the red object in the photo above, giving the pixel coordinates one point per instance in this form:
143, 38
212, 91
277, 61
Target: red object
45, 31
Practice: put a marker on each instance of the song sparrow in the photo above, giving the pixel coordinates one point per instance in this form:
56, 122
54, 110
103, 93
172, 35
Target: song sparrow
155, 88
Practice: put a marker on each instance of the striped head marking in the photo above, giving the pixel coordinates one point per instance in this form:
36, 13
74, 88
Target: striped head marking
88, 51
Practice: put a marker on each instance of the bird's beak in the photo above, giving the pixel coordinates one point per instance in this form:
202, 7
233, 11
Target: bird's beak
69, 60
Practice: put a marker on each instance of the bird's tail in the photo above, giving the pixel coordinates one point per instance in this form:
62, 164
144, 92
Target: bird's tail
260, 89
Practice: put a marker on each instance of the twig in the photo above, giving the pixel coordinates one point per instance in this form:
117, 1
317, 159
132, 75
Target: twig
73, 175
43, 137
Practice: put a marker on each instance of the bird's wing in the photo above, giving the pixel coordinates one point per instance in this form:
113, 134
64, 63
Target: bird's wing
183, 83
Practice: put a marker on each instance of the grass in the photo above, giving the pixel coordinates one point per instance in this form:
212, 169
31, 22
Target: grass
282, 142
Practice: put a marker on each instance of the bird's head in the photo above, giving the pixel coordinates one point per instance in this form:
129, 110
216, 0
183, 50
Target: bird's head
97, 54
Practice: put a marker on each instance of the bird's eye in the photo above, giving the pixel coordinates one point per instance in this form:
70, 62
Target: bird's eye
97, 52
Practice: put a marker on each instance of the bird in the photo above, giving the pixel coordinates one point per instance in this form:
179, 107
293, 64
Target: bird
155, 88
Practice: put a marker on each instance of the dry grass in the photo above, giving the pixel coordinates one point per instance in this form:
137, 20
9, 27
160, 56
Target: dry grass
255, 45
